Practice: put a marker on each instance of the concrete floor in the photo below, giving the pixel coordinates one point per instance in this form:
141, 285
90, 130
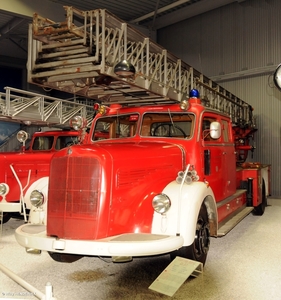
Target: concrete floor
245, 264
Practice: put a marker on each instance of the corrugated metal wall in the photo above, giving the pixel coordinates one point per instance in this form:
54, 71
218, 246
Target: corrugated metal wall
239, 45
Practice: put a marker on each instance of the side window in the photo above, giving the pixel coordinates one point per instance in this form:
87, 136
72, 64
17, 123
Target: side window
43, 143
206, 128
65, 141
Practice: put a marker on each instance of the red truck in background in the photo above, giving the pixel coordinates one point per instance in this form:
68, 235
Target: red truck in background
165, 165
28, 169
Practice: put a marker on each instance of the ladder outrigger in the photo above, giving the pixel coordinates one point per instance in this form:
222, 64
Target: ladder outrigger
79, 55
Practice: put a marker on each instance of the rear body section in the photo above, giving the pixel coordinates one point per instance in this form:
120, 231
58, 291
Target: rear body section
21, 170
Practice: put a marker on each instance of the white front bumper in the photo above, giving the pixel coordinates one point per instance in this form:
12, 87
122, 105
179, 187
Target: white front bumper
129, 244
10, 206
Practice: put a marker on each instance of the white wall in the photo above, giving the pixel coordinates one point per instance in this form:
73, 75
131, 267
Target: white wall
239, 46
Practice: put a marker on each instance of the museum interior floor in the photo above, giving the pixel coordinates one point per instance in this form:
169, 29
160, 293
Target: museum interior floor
245, 264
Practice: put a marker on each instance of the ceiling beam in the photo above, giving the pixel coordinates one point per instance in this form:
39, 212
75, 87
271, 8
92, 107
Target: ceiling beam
189, 11
26, 8
8, 27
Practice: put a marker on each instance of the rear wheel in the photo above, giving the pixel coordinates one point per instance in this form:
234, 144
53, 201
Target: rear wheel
259, 210
198, 250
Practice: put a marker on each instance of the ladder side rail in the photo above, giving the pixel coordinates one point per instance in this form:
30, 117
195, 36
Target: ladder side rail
46, 105
171, 77
46, 109
76, 21
91, 35
103, 35
157, 70
165, 76
32, 94
69, 113
30, 52
140, 59
8, 101
74, 65
242, 109
3, 109
21, 104
203, 87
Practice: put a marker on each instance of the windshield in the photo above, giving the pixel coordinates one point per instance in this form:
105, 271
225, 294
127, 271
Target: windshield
65, 141
46, 142
177, 125
114, 127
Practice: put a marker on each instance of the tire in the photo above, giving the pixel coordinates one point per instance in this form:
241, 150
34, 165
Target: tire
198, 250
259, 210
6, 217
64, 258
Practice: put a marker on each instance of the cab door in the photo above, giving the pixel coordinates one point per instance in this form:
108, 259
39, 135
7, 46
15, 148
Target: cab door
219, 158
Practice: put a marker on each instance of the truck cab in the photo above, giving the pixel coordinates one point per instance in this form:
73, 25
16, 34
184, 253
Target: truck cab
29, 168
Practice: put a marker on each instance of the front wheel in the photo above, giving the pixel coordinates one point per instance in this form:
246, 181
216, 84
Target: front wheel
198, 250
64, 258
6, 217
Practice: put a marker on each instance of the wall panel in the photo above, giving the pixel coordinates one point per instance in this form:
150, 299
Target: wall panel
239, 38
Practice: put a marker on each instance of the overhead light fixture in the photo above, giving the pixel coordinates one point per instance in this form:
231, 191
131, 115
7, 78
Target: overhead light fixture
277, 77
124, 69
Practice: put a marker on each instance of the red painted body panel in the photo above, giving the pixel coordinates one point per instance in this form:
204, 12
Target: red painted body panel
255, 174
126, 176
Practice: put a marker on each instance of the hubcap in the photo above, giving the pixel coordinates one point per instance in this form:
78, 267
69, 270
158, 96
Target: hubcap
202, 238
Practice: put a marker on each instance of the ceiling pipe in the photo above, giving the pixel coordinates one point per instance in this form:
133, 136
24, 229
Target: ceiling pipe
163, 9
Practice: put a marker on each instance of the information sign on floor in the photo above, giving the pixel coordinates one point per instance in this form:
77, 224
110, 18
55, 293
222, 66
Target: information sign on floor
175, 274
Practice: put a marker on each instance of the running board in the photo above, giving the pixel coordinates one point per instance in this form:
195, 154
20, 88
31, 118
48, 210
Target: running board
231, 223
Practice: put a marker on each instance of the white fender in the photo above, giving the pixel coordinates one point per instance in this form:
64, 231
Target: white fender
185, 205
37, 215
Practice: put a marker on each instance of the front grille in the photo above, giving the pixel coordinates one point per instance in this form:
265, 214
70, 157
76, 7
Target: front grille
73, 197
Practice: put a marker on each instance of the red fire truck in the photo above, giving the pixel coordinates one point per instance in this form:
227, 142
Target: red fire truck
28, 169
164, 169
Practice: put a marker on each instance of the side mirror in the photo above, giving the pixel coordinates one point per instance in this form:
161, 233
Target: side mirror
215, 130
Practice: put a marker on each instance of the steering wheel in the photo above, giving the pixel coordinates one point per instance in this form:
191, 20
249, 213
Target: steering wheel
170, 127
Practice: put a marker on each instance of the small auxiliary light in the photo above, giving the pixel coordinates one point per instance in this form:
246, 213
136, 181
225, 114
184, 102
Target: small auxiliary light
22, 136
194, 96
194, 93
184, 105
101, 109
4, 189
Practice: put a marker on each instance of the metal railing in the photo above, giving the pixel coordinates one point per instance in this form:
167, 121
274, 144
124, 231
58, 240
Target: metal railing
32, 108
79, 54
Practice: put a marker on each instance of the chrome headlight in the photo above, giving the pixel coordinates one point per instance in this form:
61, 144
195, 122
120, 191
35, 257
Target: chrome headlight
161, 203
78, 123
4, 189
36, 198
